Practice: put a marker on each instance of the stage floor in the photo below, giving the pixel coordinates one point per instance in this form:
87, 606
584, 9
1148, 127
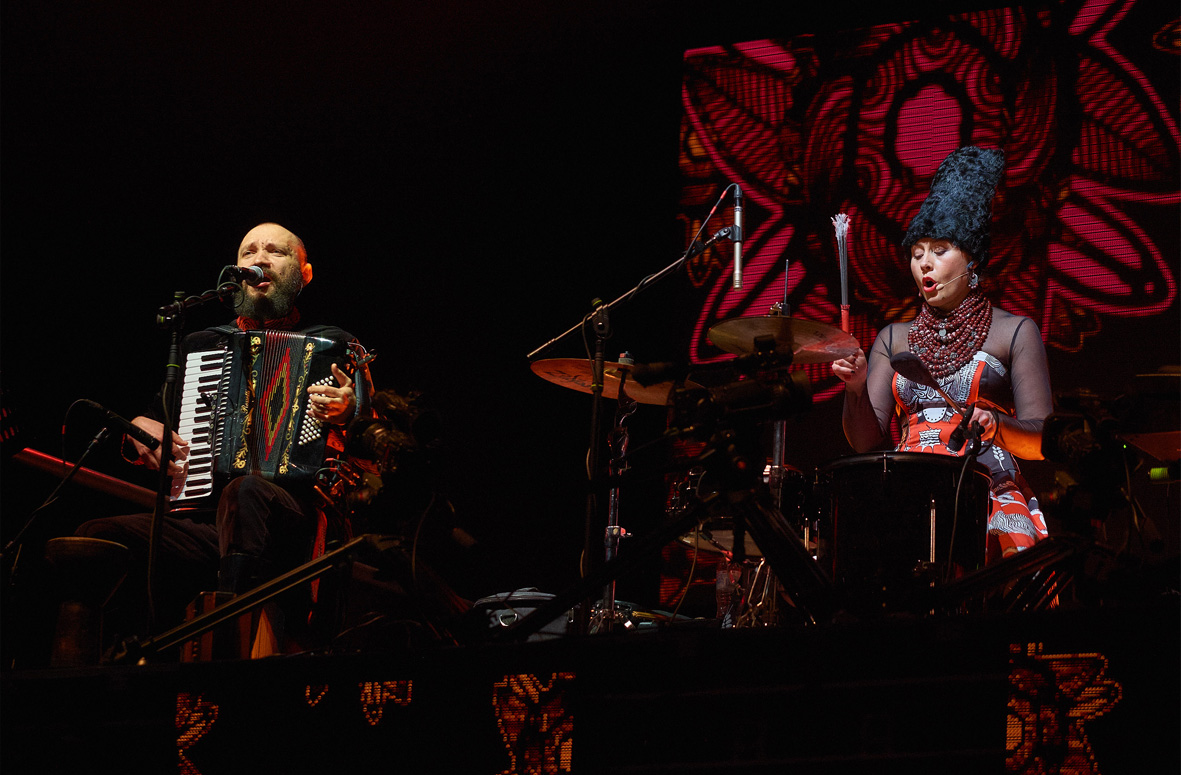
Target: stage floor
1070, 691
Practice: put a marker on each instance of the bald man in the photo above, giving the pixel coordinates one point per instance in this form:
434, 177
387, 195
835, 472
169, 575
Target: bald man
259, 528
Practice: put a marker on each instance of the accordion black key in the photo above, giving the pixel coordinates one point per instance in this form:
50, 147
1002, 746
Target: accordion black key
244, 410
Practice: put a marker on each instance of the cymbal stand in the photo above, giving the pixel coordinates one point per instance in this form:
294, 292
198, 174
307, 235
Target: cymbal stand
779, 442
600, 322
763, 604
603, 618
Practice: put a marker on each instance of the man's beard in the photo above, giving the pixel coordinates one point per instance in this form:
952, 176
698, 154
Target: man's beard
277, 304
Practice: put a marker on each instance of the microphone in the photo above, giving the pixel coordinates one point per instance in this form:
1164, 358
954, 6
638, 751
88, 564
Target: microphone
956, 440
737, 236
251, 275
952, 280
115, 422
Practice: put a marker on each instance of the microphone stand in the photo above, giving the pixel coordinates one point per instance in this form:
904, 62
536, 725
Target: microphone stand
98, 439
696, 249
600, 322
172, 317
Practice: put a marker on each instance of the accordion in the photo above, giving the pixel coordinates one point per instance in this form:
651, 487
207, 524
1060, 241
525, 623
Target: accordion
244, 410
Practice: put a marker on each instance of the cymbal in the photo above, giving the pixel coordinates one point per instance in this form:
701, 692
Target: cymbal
717, 537
807, 340
575, 373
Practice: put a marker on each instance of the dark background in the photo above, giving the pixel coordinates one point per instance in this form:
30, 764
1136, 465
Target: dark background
467, 178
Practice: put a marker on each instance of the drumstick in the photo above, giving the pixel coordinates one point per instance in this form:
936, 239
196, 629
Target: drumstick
840, 222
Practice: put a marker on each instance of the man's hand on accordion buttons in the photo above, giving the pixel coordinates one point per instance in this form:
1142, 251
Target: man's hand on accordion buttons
151, 458
331, 404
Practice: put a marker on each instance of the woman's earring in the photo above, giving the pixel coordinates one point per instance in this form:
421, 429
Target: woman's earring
973, 280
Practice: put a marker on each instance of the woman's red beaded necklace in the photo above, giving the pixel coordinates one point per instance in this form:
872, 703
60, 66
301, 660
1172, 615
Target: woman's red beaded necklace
945, 342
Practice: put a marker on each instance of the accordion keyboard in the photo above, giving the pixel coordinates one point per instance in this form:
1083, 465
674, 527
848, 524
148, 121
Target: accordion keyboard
206, 376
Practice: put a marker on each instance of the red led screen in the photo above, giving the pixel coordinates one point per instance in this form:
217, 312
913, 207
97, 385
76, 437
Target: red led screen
1085, 224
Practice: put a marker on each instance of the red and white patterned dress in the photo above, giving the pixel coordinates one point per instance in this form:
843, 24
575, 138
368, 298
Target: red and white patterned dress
1009, 374
1014, 521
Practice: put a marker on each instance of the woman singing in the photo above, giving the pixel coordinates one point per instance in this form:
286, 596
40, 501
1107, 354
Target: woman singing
980, 355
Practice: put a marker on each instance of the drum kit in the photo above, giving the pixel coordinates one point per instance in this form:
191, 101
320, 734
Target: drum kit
858, 535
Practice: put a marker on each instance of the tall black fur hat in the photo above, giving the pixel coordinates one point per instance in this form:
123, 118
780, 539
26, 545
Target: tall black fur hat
959, 207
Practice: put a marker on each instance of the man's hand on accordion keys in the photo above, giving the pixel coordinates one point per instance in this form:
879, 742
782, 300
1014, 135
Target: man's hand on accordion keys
151, 458
333, 405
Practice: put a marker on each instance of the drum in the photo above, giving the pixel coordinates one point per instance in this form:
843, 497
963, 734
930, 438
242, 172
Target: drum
886, 522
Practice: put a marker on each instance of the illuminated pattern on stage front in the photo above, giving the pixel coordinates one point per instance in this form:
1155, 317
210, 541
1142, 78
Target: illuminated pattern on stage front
375, 695
1050, 698
194, 718
537, 728
857, 121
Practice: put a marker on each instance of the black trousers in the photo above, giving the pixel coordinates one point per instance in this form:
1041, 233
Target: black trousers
254, 517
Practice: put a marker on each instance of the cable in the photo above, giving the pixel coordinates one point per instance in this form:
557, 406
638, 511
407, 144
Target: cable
414, 541
955, 513
692, 569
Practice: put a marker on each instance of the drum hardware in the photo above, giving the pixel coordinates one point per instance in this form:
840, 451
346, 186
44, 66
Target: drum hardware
765, 393
578, 374
747, 501
603, 615
805, 342
1097, 442
624, 616
804, 583
716, 536
598, 323
779, 442
761, 605
1027, 581
758, 510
